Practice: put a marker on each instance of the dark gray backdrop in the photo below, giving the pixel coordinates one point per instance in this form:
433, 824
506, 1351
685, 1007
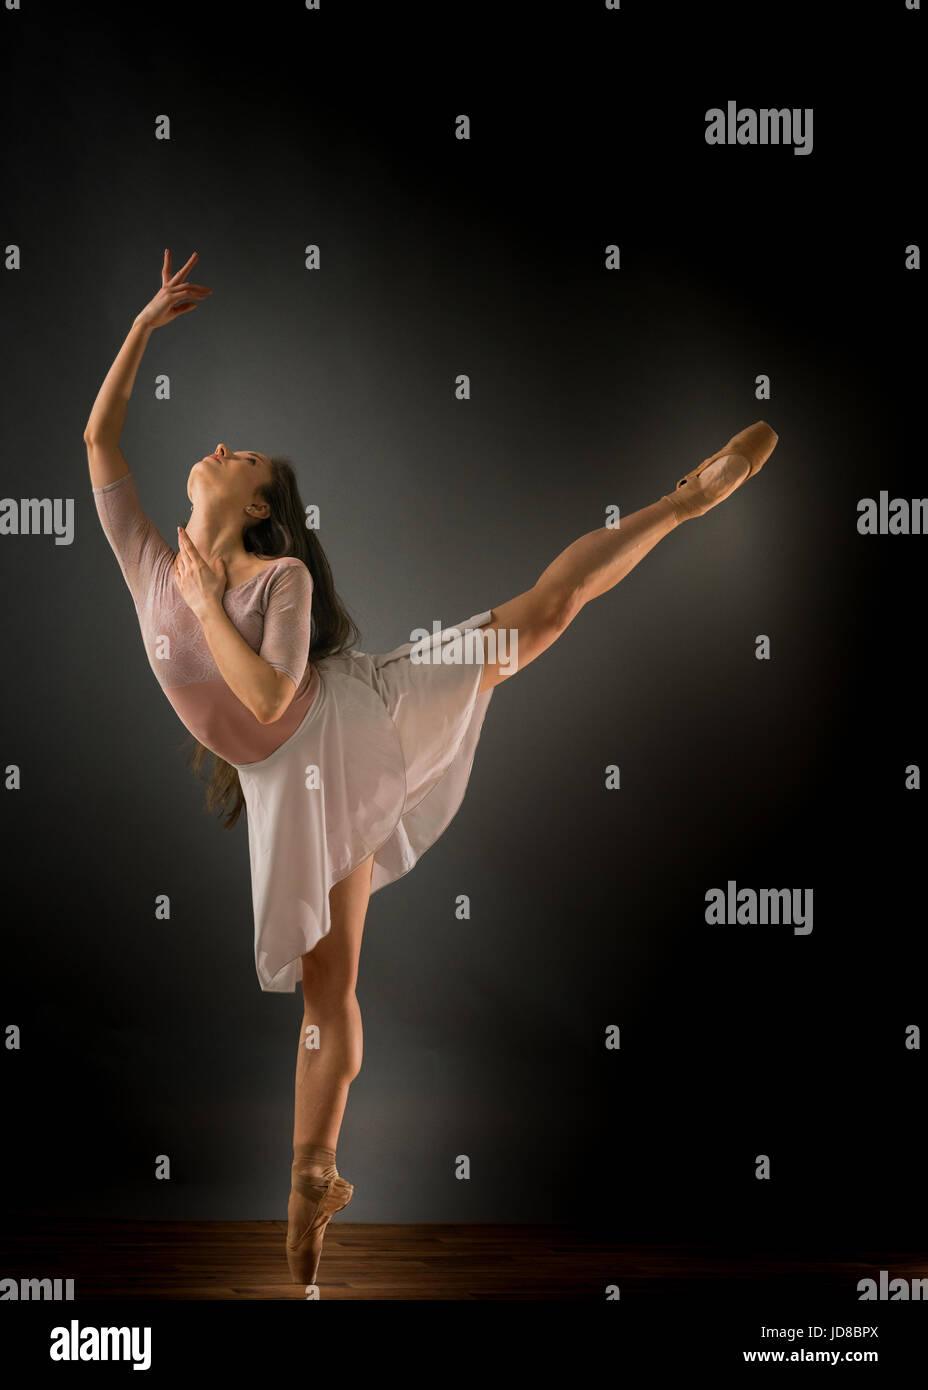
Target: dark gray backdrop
589, 388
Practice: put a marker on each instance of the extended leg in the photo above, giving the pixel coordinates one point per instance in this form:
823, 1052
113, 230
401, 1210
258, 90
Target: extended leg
597, 561
587, 568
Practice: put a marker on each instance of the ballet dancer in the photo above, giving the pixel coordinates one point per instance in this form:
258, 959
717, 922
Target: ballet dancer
349, 764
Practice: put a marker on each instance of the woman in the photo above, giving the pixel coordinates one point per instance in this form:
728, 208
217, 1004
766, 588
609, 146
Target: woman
350, 765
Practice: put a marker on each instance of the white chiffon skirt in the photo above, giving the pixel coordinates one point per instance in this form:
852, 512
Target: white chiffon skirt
379, 765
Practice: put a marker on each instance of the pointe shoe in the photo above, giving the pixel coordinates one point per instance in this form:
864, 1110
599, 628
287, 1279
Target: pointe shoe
304, 1247
744, 455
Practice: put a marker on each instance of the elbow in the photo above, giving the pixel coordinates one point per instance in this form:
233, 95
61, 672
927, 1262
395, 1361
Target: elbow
278, 702
275, 708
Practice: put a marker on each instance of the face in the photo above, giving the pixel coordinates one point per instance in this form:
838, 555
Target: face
231, 477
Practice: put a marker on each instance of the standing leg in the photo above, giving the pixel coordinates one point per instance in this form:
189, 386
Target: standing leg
324, 1072
330, 977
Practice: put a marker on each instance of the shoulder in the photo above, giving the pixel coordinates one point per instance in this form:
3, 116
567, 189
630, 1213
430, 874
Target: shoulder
290, 566
289, 575
278, 566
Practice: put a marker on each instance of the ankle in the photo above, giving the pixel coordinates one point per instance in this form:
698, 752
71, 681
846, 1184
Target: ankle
676, 512
313, 1161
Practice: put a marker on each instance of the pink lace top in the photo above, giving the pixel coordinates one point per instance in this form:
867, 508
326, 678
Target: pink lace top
271, 610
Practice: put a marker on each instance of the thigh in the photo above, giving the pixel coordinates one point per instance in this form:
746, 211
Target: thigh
522, 628
334, 960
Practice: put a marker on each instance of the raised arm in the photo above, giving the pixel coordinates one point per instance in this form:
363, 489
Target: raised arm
104, 428
105, 459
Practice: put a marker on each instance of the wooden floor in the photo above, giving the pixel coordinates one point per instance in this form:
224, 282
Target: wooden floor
228, 1260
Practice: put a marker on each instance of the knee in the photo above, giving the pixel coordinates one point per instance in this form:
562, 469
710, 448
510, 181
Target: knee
330, 972
328, 989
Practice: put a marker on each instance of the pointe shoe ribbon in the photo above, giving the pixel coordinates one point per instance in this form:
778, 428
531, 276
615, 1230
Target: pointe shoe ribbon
751, 447
330, 1195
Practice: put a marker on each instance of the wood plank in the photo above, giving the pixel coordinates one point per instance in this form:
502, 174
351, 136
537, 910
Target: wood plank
230, 1260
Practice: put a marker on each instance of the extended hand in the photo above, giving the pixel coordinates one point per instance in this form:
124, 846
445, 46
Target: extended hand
201, 585
177, 296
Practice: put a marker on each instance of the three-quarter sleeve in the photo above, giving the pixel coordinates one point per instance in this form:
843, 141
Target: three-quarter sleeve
134, 539
287, 620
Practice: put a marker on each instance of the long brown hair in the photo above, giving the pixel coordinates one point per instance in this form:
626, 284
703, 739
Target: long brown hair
283, 532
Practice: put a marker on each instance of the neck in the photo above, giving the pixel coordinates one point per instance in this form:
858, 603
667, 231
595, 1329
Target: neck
216, 537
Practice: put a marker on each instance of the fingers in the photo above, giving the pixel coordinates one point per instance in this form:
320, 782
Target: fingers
191, 295
184, 269
166, 277
188, 547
